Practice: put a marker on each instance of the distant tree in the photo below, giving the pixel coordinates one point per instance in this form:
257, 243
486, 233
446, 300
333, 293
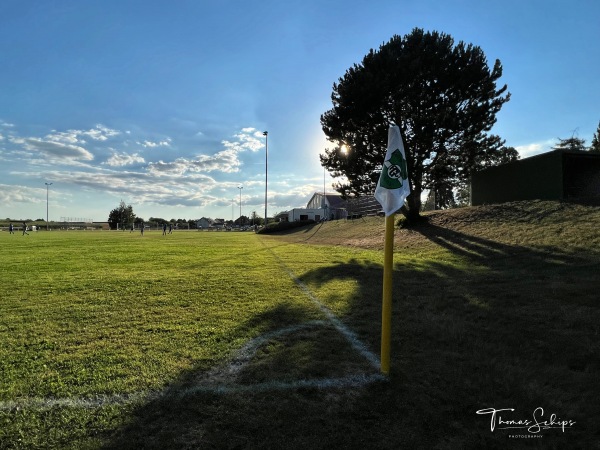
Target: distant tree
254, 219
595, 147
257, 220
442, 96
572, 143
121, 216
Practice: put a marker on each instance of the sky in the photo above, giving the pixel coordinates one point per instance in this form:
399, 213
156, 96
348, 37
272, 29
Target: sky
163, 104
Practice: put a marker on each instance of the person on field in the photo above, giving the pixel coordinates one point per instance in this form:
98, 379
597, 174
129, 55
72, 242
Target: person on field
142, 226
131, 231
25, 229
164, 229
170, 228
11, 229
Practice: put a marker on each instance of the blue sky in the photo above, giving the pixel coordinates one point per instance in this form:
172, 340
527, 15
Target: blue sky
162, 104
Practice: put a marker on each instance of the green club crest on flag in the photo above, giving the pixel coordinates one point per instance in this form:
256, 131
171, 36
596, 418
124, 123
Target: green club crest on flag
394, 171
393, 186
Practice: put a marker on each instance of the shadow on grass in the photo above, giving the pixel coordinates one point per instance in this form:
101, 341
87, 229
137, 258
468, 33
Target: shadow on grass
488, 326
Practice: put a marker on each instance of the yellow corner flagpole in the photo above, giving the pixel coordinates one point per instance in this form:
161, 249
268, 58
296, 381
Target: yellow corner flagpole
386, 311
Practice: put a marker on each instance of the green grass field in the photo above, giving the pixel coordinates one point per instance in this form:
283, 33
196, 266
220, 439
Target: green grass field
238, 340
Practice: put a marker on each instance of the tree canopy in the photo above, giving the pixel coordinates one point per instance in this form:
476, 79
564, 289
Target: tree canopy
595, 147
572, 143
442, 96
121, 216
577, 144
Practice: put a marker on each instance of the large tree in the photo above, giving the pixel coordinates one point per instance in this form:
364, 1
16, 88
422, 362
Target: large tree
442, 96
121, 216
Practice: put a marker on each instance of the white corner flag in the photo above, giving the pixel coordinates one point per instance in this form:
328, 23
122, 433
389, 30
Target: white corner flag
392, 188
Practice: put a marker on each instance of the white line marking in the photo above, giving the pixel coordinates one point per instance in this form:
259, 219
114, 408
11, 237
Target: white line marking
352, 338
42, 404
229, 372
318, 383
219, 380
247, 352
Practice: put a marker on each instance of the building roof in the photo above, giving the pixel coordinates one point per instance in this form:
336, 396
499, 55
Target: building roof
334, 200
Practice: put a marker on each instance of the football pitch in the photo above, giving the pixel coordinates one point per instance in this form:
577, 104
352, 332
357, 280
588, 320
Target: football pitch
105, 320
238, 340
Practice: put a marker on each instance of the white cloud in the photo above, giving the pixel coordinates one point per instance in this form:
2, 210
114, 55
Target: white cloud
177, 167
247, 139
99, 133
57, 149
64, 146
6, 124
150, 144
223, 161
192, 190
535, 148
68, 137
14, 194
226, 160
124, 159
185, 181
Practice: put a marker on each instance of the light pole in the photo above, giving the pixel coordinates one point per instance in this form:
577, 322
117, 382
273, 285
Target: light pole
47, 186
240, 188
266, 135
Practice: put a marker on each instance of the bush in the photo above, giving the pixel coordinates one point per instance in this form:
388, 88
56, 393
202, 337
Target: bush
405, 222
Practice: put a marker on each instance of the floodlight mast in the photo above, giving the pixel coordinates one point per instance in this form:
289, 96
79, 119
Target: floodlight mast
266, 135
47, 185
240, 188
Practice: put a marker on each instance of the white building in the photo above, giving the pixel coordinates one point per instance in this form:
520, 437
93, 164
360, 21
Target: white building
210, 224
296, 214
319, 207
204, 223
333, 205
